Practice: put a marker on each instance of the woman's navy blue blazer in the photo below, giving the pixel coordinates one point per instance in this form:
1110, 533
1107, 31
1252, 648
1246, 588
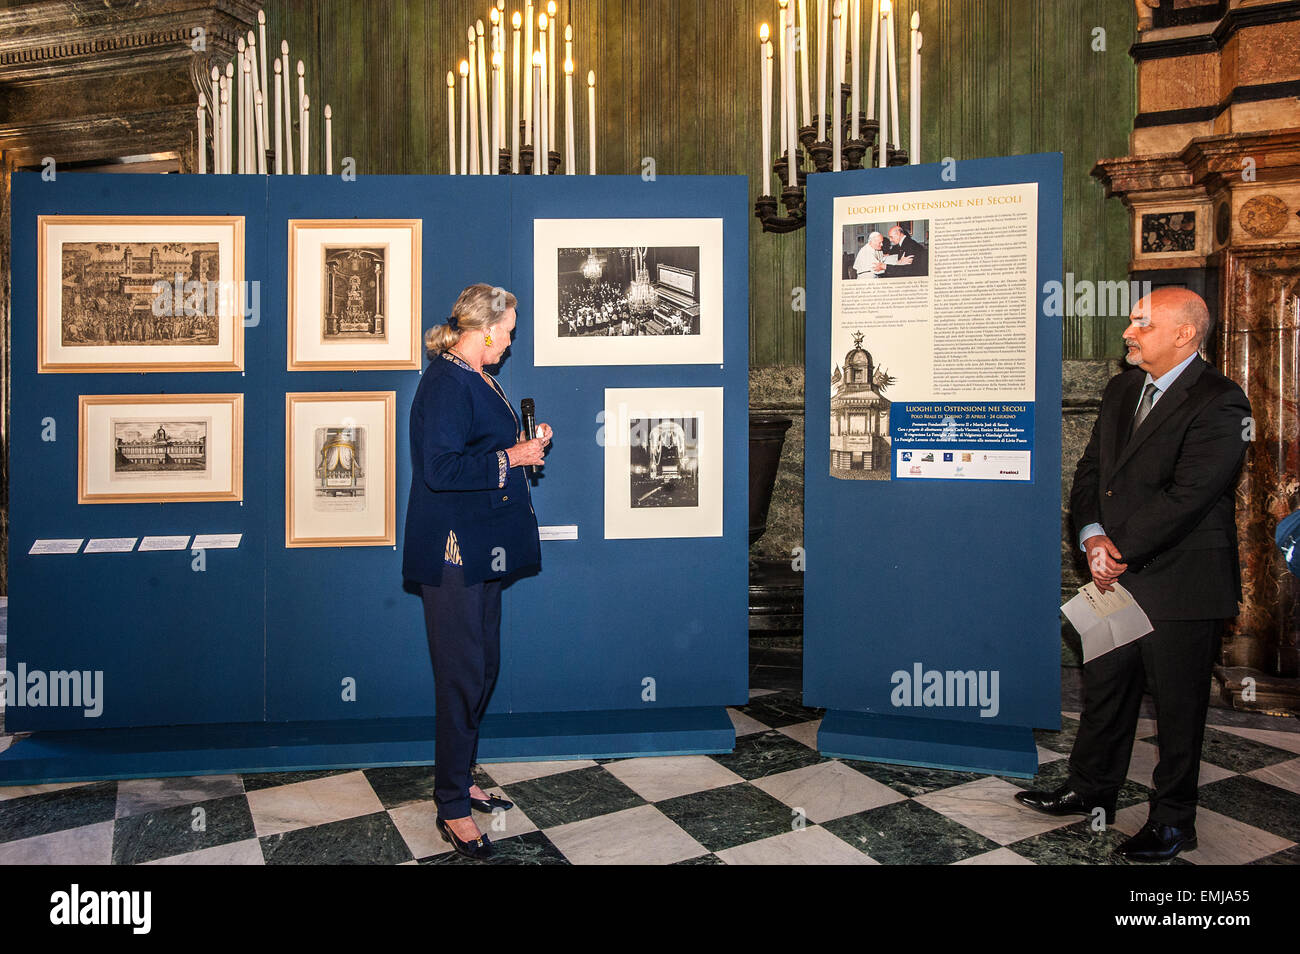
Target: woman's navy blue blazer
458, 424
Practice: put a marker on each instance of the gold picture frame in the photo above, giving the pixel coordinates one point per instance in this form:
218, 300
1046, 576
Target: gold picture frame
160, 448
340, 460
354, 294
140, 293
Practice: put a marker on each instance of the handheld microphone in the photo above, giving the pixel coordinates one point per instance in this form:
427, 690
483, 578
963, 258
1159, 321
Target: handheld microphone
528, 415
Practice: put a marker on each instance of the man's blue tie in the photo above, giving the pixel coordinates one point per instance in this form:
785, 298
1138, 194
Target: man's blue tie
1144, 407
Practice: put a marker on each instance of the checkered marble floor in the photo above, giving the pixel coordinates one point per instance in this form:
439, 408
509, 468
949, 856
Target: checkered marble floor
774, 800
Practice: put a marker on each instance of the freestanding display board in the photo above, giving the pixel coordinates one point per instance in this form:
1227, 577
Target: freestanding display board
932, 470
267, 656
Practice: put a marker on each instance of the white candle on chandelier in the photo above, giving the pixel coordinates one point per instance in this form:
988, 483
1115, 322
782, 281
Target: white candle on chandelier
225, 125
537, 95
514, 123
591, 121
570, 157
792, 142
529, 103
882, 139
261, 29
803, 61
303, 134
474, 154
821, 70
250, 134
914, 90
550, 76
288, 109
302, 94
329, 141
891, 48
544, 115
236, 75
498, 127
216, 120
279, 98
260, 109
855, 28
836, 123
201, 114
541, 139
258, 87
765, 65
464, 115
485, 137
871, 63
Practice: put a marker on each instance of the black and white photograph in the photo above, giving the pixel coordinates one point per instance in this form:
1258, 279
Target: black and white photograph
890, 249
340, 469
353, 296
151, 447
859, 424
629, 292
665, 462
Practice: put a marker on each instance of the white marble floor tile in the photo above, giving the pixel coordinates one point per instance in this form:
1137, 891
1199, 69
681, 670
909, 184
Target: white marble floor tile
745, 725
656, 778
507, 773
1290, 741
246, 852
1283, 775
988, 806
135, 796
317, 801
1220, 840
88, 845
22, 791
1048, 755
813, 845
634, 836
828, 790
415, 823
805, 732
1143, 762
1001, 856
1145, 729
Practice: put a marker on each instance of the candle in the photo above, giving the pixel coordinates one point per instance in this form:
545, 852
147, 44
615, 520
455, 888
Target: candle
765, 64
329, 141
288, 110
803, 60
884, 91
781, 32
871, 63
514, 124
302, 101
261, 29
537, 92
544, 115
257, 87
302, 132
550, 76
854, 104
485, 141
821, 70
529, 103
891, 42
836, 124
591, 120
202, 115
225, 124
236, 74
498, 108
451, 123
216, 120
250, 135
787, 68
495, 16
570, 160
474, 154
261, 136
279, 97
541, 143
914, 90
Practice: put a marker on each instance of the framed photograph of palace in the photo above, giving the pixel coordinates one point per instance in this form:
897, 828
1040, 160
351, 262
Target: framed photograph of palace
663, 462
354, 294
160, 448
627, 291
340, 469
140, 293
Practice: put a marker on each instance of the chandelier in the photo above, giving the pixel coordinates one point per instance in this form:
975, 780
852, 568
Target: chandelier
641, 295
593, 267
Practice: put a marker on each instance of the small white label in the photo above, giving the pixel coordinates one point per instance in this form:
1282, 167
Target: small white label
111, 545
566, 532
216, 541
56, 546
164, 543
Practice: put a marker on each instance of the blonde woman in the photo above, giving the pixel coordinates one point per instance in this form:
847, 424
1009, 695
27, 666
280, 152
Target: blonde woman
469, 523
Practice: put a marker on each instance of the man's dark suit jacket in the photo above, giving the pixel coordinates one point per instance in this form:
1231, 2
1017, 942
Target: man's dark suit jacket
1165, 497
920, 257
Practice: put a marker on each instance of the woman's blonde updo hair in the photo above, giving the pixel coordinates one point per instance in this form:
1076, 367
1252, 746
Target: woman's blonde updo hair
477, 309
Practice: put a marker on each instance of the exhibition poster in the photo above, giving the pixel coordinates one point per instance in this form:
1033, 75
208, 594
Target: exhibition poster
933, 313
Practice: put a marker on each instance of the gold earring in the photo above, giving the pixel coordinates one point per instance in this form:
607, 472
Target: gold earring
487, 341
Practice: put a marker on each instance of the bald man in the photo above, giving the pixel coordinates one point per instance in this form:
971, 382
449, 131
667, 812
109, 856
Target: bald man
1153, 504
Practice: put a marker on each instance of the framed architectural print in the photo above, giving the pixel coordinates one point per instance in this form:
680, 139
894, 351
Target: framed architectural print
340, 469
354, 294
160, 448
140, 293
663, 462
627, 291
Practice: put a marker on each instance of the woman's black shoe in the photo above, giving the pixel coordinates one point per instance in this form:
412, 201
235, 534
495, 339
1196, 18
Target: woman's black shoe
490, 804
478, 850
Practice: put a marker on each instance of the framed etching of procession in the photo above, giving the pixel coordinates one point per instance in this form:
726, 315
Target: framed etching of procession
340, 469
160, 448
140, 293
354, 294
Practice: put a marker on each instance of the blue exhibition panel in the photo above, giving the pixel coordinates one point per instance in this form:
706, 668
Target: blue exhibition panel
922, 576
239, 666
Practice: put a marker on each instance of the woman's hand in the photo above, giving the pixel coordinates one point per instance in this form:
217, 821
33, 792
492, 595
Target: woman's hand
526, 452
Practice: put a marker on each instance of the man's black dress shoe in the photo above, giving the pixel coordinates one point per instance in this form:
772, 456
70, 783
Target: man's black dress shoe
1156, 842
490, 804
1062, 801
478, 849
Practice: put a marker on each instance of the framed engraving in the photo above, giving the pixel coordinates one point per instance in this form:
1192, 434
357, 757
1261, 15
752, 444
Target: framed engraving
141, 293
340, 469
663, 462
151, 448
354, 294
